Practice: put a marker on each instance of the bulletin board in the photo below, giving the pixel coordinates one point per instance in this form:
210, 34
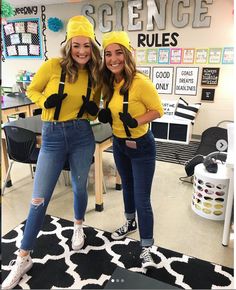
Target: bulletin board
22, 38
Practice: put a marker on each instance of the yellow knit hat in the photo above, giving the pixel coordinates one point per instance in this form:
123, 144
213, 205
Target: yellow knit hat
79, 26
120, 37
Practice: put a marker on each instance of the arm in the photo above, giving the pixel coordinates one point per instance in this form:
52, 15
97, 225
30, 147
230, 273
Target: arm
148, 117
38, 84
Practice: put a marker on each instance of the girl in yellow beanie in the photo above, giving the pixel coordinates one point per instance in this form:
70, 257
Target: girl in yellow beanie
131, 102
67, 91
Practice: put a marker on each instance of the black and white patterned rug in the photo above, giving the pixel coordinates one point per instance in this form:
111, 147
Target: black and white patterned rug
173, 152
57, 266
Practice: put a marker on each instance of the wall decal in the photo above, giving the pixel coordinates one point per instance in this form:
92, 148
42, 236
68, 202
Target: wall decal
43, 18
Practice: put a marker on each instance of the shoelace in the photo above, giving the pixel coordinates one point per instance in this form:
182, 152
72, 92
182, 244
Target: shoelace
79, 233
146, 255
12, 262
125, 227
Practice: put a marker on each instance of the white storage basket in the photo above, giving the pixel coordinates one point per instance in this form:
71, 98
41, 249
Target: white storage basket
210, 191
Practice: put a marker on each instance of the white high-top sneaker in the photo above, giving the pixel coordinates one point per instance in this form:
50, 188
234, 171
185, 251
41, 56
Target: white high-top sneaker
78, 237
20, 266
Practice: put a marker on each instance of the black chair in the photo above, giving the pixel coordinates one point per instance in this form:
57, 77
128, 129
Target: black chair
213, 139
21, 147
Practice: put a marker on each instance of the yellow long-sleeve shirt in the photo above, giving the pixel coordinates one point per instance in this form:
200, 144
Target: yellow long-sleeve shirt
143, 97
46, 82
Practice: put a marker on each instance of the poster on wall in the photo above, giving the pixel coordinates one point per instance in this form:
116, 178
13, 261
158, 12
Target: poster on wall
186, 81
145, 70
228, 55
163, 55
162, 78
175, 55
201, 55
214, 55
188, 55
210, 76
152, 55
140, 56
22, 38
208, 94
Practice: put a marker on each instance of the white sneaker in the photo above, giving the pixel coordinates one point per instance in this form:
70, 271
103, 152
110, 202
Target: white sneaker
20, 266
78, 237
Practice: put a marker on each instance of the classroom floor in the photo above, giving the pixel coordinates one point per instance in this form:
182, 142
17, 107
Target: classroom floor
176, 226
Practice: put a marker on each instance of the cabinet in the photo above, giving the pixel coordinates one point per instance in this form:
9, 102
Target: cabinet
169, 129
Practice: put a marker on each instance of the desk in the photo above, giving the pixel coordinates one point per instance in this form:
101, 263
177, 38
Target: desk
15, 104
103, 139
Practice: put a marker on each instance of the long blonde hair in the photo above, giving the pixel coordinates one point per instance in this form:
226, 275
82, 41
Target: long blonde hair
128, 74
72, 68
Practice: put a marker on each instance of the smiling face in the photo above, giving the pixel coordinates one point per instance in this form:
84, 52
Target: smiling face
81, 50
115, 60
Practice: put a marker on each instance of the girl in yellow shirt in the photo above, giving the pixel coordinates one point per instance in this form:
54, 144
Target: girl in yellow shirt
131, 102
67, 90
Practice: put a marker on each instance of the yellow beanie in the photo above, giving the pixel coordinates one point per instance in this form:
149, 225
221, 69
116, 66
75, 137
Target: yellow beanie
120, 37
79, 26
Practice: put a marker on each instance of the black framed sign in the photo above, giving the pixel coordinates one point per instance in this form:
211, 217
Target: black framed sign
210, 76
208, 94
22, 38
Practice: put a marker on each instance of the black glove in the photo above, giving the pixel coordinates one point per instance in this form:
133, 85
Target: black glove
90, 106
128, 120
104, 116
53, 100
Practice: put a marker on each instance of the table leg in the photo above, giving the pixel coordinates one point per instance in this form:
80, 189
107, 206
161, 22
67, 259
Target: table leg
228, 209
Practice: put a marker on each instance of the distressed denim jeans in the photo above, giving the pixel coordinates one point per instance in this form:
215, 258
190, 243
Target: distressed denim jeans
61, 141
136, 168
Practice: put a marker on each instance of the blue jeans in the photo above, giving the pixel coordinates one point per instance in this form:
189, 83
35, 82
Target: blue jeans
61, 141
136, 168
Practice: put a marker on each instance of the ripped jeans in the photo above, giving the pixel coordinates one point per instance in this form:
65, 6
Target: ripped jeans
61, 141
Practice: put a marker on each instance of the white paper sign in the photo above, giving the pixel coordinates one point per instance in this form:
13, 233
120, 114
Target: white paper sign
9, 29
26, 38
145, 70
11, 50
22, 50
186, 81
34, 49
15, 39
169, 107
20, 27
162, 78
32, 27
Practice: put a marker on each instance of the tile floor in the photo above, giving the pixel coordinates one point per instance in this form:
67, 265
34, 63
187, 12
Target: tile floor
176, 228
